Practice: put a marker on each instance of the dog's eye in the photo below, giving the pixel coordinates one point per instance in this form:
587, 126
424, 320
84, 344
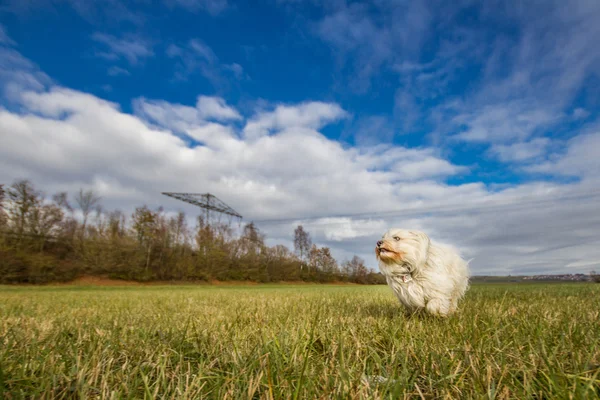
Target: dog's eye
396, 238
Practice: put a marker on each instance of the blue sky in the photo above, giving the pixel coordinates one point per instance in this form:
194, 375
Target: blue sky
306, 110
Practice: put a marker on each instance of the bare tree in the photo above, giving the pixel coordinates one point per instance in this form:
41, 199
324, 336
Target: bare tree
2, 214
116, 224
179, 226
355, 269
87, 202
322, 260
61, 199
44, 220
145, 227
302, 242
253, 235
23, 199
252, 243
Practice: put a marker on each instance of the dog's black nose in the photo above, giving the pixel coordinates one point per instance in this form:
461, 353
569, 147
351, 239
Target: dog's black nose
379, 243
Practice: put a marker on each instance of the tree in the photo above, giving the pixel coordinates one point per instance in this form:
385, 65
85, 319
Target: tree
252, 234
2, 213
252, 245
356, 270
23, 198
43, 221
327, 263
282, 264
322, 260
116, 224
302, 242
178, 226
61, 199
87, 202
144, 225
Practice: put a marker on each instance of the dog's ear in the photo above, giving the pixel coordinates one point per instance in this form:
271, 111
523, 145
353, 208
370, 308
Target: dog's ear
423, 243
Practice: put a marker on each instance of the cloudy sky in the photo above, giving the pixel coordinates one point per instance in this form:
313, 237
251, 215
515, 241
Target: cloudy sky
475, 121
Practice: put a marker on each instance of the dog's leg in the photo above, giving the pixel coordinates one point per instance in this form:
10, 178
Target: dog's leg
453, 305
439, 307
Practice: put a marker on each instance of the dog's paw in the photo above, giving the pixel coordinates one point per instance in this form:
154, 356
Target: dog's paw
438, 307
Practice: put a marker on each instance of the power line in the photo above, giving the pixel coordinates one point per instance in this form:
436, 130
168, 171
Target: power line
441, 209
206, 201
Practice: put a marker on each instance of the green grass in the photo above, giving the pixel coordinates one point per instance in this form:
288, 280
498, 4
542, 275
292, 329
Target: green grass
508, 341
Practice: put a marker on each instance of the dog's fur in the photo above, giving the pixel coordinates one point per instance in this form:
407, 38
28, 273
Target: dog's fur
423, 275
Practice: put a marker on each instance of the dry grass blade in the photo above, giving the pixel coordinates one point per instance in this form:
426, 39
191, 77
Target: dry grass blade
270, 341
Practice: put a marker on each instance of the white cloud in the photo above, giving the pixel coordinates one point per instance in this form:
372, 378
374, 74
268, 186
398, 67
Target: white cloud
18, 73
92, 11
4, 38
580, 113
213, 7
372, 130
236, 69
581, 158
130, 48
520, 151
60, 102
171, 116
197, 57
312, 115
117, 71
358, 39
202, 50
343, 229
429, 167
184, 118
404, 164
214, 135
504, 122
216, 108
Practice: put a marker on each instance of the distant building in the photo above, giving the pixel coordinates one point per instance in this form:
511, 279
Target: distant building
563, 277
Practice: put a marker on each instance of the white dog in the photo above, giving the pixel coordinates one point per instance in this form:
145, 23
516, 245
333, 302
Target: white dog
422, 274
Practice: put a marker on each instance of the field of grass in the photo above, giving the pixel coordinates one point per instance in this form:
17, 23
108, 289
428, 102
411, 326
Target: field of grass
273, 341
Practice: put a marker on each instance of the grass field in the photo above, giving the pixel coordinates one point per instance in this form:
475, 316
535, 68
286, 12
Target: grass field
509, 341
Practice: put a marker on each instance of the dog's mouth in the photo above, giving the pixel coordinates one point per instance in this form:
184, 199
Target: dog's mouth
384, 251
386, 254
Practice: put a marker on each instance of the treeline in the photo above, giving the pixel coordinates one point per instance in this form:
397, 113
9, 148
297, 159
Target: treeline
59, 239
